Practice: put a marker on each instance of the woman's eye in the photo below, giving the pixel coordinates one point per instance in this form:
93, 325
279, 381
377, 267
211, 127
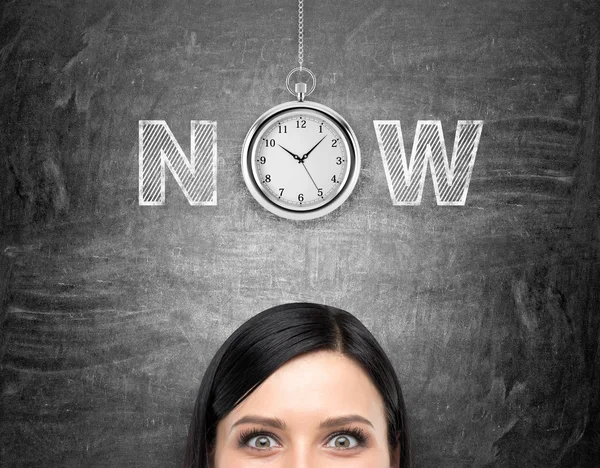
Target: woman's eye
343, 441
263, 442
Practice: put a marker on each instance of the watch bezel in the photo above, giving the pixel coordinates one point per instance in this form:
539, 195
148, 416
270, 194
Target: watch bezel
354, 161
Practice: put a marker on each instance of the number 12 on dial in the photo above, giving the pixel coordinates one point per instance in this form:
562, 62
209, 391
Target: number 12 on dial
300, 160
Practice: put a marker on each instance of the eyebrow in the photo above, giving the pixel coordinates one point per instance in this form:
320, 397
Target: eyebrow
279, 424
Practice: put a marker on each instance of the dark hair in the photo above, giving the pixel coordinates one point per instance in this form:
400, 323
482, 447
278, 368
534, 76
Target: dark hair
267, 341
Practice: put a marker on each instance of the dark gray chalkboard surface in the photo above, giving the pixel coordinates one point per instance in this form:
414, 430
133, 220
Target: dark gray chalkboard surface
111, 311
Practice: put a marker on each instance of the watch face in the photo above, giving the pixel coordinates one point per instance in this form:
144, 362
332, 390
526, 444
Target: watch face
300, 160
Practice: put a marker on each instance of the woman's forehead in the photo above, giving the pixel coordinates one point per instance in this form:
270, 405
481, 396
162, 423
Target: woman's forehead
311, 388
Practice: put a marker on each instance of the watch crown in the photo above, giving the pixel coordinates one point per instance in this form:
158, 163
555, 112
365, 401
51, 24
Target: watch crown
300, 91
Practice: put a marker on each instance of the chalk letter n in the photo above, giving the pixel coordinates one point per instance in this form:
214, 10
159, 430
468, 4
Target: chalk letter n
196, 177
405, 181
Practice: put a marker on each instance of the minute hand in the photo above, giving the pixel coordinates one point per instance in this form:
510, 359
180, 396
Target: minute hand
311, 150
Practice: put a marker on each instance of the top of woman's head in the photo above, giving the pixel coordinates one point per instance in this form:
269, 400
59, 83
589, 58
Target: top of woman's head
269, 340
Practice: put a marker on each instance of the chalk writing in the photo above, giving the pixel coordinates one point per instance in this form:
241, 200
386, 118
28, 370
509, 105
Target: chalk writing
405, 181
197, 177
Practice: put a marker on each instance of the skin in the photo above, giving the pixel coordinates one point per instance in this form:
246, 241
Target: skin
304, 392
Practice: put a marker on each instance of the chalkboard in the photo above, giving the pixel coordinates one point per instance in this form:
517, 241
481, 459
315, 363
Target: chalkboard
111, 310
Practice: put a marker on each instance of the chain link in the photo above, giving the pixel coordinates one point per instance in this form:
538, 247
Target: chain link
300, 32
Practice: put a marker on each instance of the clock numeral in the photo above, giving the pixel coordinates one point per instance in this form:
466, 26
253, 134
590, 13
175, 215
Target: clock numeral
300, 197
280, 192
334, 142
270, 142
284, 129
334, 180
267, 179
339, 160
262, 160
320, 128
301, 123
320, 192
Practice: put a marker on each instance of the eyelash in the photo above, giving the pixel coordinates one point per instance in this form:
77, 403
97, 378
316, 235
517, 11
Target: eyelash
246, 435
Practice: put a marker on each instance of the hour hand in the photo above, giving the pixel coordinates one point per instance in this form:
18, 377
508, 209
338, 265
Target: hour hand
294, 155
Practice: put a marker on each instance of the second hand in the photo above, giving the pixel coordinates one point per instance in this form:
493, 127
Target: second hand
313, 181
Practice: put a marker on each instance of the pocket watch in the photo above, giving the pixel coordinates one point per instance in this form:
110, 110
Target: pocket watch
300, 159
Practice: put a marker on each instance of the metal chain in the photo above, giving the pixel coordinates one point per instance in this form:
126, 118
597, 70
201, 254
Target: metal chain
300, 32
301, 90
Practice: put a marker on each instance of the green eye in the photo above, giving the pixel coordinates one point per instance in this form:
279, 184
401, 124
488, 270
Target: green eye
256, 440
344, 441
348, 439
262, 441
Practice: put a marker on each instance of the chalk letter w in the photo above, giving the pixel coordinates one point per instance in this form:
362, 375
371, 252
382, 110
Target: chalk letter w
196, 177
451, 183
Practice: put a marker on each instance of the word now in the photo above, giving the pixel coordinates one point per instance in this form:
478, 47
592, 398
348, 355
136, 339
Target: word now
197, 176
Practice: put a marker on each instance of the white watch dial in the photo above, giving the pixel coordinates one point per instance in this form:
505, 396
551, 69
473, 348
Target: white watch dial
300, 160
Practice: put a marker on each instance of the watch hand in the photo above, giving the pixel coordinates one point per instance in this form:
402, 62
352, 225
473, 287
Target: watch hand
295, 156
313, 181
311, 150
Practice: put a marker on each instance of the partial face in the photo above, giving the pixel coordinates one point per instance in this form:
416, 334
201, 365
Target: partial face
318, 410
